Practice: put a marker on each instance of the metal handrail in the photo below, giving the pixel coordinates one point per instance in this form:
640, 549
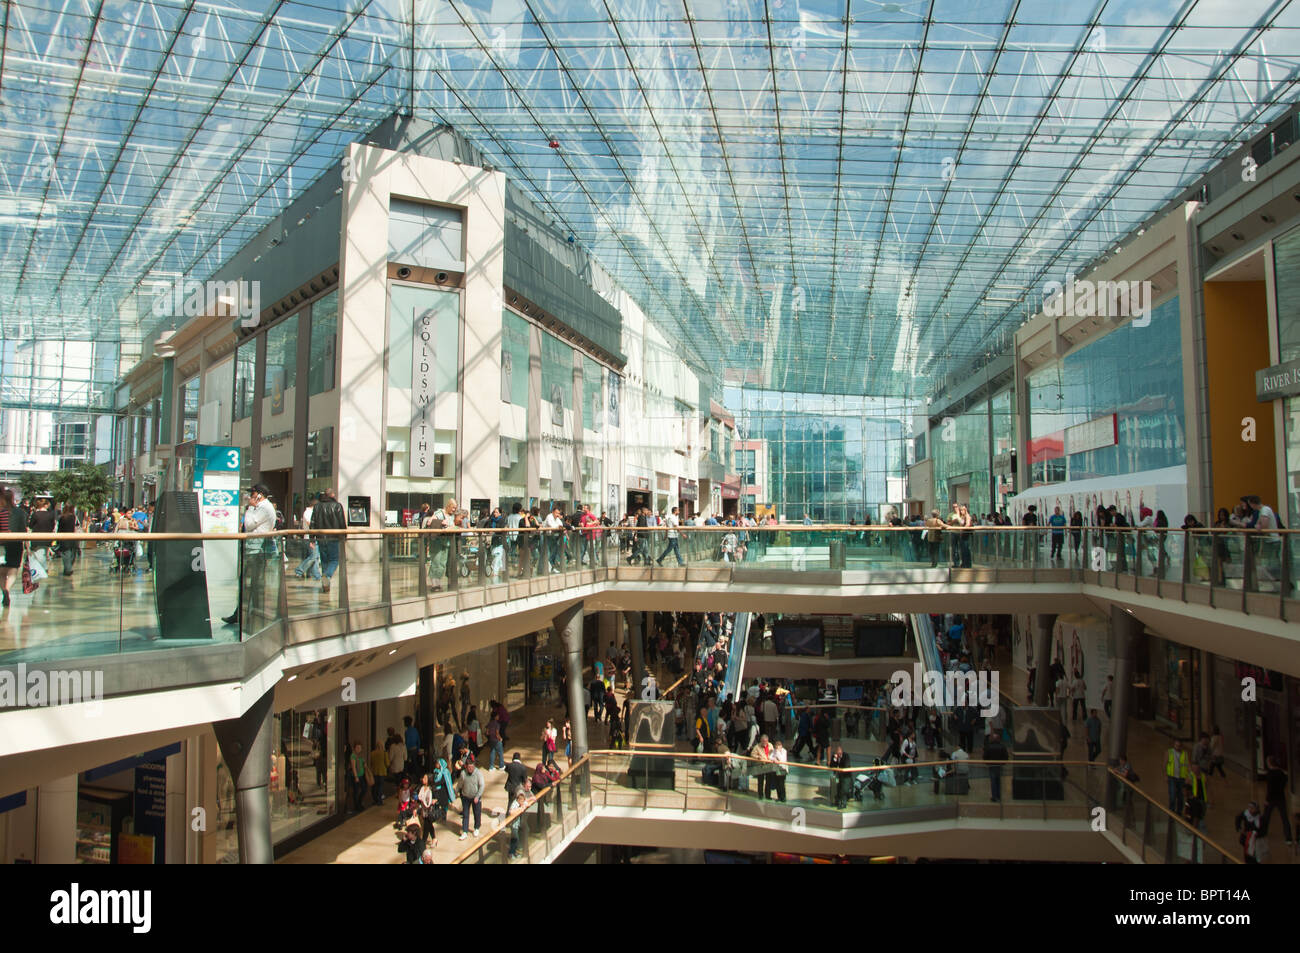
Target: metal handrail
518, 812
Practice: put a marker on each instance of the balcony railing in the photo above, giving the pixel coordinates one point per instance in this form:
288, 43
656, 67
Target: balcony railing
842, 803
241, 599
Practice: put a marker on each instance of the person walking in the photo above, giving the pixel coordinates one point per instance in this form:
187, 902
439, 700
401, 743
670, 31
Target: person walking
328, 514
550, 739
1247, 825
1078, 697
41, 520
357, 769
496, 747
1197, 799
411, 737
69, 549
672, 544
471, 799
13, 519
1275, 798
311, 562
1216, 754
1176, 772
378, 770
1092, 732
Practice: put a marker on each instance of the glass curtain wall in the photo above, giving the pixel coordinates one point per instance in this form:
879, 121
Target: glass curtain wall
515, 333
245, 376
1133, 372
593, 424
323, 360
961, 453
1286, 275
557, 476
835, 457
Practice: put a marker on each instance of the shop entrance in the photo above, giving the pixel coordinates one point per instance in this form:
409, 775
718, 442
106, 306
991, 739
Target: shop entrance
637, 499
280, 483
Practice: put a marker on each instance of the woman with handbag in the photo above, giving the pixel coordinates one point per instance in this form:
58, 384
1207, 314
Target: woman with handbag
12, 520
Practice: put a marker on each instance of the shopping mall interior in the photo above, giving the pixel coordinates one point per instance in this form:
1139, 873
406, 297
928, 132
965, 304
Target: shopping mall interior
895, 436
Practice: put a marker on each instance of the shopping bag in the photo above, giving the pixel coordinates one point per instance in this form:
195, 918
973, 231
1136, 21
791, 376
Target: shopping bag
30, 585
37, 570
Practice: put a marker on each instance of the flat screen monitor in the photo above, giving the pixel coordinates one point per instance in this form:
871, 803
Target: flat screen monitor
874, 638
803, 638
850, 693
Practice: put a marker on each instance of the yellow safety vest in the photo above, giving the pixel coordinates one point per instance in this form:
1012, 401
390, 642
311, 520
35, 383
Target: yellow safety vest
1178, 770
1197, 784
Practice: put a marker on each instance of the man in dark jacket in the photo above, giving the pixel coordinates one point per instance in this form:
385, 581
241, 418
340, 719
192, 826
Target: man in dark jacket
995, 751
841, 781
328, 514
516, 773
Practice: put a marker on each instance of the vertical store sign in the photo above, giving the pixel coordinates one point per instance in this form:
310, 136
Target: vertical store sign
422, 391
151, 808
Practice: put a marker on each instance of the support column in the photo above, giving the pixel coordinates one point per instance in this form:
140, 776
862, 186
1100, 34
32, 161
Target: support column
1127, 630
167, 419
636, 635
569, 624
1043, 625
178, 815
246, 748
56, 821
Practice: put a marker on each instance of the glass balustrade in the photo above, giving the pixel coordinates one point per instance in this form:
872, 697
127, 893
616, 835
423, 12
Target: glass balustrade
147, 592
673, 785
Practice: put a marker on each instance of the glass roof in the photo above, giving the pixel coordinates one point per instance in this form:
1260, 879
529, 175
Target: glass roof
828, 196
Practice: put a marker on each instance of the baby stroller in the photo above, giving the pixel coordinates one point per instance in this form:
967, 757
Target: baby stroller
868, 782
886, 776
123, 556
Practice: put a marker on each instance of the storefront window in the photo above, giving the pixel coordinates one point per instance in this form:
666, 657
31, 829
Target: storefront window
301, 789
324, 344
281, 357
514, 359
557, 377
591, 482
1127, 372
593, 404
245, 375
515, 334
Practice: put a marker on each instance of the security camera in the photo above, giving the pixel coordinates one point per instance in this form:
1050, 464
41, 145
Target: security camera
440, 278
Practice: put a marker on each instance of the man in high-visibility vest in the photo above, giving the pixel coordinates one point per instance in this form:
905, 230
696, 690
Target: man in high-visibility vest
1197, 799
1176, 772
